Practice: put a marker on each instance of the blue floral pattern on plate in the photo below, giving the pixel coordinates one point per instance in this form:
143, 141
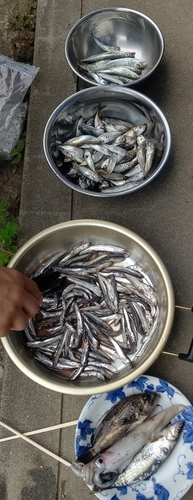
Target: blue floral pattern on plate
175, 476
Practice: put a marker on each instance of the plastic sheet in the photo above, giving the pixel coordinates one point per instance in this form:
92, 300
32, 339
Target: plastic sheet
15, 80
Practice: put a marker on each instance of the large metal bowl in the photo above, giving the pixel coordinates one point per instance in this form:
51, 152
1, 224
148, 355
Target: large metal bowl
132, 31
115, 102
65, 235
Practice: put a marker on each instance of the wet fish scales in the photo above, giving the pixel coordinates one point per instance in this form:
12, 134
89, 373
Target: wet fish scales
151, 457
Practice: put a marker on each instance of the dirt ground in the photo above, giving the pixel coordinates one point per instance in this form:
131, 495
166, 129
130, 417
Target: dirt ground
10, 189
11, 43
17, 30
10, 185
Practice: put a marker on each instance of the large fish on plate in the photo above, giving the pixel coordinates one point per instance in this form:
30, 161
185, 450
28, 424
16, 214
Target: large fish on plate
151, 457
121, 418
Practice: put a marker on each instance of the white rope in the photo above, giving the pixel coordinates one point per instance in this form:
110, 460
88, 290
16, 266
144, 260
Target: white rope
25, 438
38, 431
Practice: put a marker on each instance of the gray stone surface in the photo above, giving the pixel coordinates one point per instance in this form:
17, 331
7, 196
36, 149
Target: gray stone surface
161, 214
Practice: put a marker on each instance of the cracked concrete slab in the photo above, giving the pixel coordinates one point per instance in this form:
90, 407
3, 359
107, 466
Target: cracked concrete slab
160, 213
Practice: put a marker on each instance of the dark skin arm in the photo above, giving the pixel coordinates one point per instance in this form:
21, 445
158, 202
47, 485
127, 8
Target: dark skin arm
20, 299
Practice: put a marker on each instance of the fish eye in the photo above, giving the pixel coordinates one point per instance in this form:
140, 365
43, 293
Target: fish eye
150, 396
99, 462
147, 397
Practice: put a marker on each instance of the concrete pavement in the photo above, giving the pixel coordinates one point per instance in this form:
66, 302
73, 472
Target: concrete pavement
161, 214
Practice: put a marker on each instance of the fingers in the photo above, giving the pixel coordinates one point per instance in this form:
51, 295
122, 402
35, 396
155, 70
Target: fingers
32, 288
13, 318
20, 299
18, 309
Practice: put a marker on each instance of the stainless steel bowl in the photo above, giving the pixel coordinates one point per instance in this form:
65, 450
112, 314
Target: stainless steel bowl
115, 102
66, 234
130, 30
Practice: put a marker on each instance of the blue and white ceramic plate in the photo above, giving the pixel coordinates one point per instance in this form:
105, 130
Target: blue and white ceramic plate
175, 476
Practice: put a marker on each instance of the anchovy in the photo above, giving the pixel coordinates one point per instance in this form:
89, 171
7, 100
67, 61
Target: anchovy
93, 175
42, 342
54, 259
76, 249
98, 79
88, 286
150, 153
141, 151
110, 292
129, 62
72, 152
104, 248
110, 78
80, 140
122, 71
104, 46
107, 56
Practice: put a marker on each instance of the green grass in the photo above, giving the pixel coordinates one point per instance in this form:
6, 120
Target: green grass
8, 233
16, 153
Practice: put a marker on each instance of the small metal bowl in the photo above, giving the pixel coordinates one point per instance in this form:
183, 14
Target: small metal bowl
52, 240
114, 102
128, 29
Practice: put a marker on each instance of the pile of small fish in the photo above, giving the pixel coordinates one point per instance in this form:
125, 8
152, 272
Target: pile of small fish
112, 66
98, 312
129, 444
107, 154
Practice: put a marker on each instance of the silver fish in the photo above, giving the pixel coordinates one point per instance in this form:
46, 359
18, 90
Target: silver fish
89, 159
104, 248
80, 140
76, 249
104, 46
109, 291
130, 62
91, 174
53, 260
98, 78
141, 151
107, 56
72, 152
122, 71
151, 457
107, 77
150, 152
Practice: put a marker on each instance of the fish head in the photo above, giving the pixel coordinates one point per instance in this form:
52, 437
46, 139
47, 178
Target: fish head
172, 432
149, 401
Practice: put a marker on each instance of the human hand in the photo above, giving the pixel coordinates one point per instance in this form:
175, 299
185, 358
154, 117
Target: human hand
20, 299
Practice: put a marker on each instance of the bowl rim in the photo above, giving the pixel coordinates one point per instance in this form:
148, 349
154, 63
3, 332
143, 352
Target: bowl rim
113, 9
105, 89
70, 388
